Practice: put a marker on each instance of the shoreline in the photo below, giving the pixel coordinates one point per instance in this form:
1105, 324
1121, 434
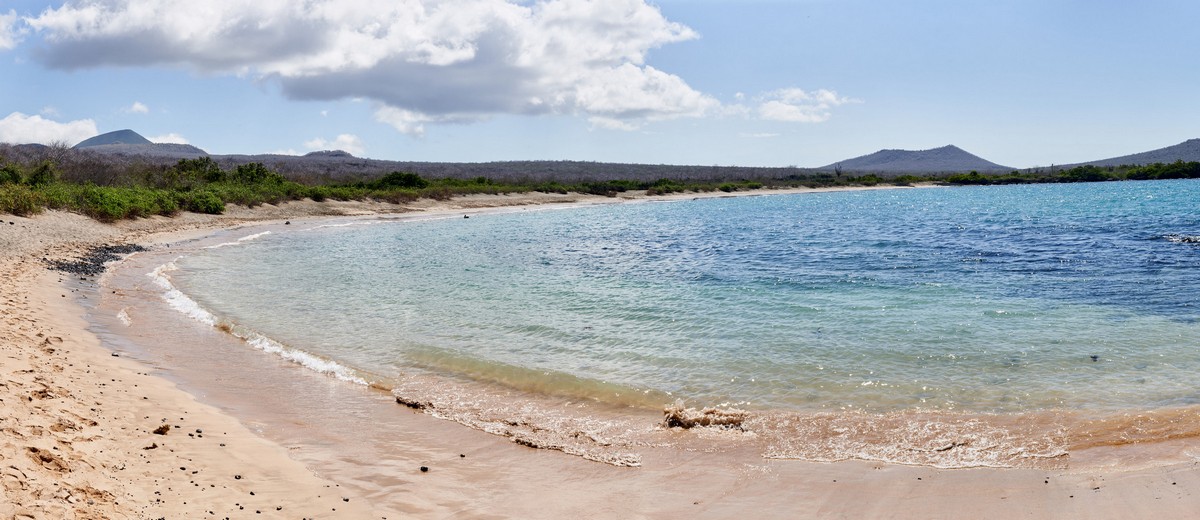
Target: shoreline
59, 390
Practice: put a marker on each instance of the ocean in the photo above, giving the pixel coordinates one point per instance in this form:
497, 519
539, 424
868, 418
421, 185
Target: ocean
953, 327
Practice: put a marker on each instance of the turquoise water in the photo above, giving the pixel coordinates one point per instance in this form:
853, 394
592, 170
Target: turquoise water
989, 299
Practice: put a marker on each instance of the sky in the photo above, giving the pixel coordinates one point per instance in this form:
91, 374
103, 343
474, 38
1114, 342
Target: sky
805, 83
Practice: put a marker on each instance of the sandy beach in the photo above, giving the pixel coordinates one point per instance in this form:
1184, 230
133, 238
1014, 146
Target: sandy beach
87, 432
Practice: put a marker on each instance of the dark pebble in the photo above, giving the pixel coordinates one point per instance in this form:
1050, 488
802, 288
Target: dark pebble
237, 477
424, 469
92, 263
1095, 359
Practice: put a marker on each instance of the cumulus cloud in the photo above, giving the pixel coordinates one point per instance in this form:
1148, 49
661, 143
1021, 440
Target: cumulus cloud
19, 128
171, 138
421, 62
345, 142
137, 108
10, 35
797, 106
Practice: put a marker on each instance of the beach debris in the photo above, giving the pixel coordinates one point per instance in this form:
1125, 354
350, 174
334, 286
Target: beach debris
951, 446
679, 416
424, 469
414, 404
162, 430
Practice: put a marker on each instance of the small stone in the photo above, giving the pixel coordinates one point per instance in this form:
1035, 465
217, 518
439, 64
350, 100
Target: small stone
424, 469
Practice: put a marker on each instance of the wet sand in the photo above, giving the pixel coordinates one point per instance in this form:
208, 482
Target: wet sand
75, 421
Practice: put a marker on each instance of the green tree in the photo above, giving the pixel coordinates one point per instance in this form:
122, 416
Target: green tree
254, 173
203, 169
400, 180
45, 173
9, 174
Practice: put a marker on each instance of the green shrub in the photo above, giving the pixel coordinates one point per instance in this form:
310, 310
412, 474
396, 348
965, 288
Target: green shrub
9, 174
255, 173
973, 178
395, 196
202, 201
18, 199
202, 169
400, 180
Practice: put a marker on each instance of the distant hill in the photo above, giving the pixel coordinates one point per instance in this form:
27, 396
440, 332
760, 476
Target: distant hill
946, 159
119, 137
330, 153
131, 144
1186, 151
170, 151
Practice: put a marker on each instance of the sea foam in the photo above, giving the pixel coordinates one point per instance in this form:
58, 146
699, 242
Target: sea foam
190, 308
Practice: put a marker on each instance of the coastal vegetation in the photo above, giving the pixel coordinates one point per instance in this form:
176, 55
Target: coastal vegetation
201, 185
111, 190
1085, 173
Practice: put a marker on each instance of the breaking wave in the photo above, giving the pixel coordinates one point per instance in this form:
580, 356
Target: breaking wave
190, 308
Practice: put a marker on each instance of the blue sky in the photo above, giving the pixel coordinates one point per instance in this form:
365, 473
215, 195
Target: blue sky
754, 82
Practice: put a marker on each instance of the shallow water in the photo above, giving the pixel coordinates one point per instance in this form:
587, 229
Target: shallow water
988, 299
973, 326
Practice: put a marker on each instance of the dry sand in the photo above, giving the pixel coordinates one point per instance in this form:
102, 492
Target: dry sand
77, 436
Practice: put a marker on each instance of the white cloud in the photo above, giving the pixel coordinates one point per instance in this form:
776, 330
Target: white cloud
761, 135
345, 142
137, 108
10, 35
422, 61
797, 106
171, 138
19, 128
289, 151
